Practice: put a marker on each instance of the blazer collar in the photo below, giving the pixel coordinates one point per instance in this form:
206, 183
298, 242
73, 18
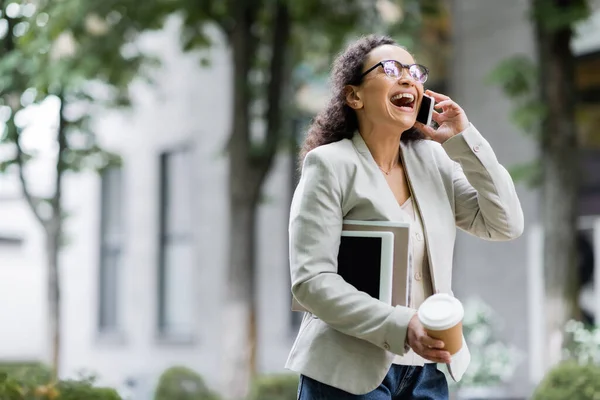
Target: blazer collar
360, 144
362, 148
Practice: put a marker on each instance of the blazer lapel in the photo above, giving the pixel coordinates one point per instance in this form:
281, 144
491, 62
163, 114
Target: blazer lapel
429, 196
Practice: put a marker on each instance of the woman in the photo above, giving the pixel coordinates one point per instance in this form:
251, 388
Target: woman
366, 158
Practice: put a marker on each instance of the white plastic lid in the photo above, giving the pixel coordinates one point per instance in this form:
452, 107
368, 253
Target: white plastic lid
440, 312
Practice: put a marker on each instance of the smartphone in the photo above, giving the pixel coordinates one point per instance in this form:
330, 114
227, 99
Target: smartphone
426, 110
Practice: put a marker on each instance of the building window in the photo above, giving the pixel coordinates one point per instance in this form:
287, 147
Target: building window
111, 248
588, 120
175, 281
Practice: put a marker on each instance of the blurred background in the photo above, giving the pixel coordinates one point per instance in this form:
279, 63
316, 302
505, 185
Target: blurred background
148, 159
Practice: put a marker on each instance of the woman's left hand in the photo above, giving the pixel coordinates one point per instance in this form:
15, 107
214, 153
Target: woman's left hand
452, 119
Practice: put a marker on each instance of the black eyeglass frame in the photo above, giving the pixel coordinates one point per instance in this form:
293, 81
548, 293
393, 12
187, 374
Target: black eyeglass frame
404, 66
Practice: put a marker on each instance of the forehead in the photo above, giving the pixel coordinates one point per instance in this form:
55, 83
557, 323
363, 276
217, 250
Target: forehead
388, 52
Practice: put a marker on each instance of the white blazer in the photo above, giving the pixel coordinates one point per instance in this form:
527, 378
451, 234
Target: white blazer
348, 339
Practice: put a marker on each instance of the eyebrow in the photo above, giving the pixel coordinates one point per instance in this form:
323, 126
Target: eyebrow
380, 64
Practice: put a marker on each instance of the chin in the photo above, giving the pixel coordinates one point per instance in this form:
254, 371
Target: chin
405, 123
403, 119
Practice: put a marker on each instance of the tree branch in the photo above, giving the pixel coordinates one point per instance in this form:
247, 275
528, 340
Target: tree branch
243, 44
61, 138
32, 201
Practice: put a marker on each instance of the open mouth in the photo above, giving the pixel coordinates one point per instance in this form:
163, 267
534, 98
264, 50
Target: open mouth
404, 101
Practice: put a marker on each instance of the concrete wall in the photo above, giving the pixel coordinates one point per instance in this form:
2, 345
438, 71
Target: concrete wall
22, 284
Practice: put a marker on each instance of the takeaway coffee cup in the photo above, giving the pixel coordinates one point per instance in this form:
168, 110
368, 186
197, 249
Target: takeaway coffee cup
441, 316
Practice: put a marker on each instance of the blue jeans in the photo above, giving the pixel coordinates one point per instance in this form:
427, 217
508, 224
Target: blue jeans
401, 382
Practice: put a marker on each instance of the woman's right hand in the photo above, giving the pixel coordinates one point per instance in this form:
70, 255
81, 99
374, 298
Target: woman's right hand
424, 345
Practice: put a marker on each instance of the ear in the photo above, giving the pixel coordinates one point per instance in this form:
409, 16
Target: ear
353, 97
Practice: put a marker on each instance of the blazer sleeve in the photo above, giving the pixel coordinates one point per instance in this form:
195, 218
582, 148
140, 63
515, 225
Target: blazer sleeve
315, 228
486, 201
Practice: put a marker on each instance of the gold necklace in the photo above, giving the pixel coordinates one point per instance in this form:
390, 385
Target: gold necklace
384, 171
389, 171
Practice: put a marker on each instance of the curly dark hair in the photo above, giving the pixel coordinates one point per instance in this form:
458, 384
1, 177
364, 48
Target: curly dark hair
338, 121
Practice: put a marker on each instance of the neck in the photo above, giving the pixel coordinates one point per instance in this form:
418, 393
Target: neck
383, 143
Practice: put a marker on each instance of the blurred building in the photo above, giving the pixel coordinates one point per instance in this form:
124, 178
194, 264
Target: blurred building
508, 276
144, 268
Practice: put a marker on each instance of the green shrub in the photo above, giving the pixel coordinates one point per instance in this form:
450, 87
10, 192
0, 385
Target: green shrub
14, 389
181, 383
11, 389
31, 372
571, 381
275, 387
78, 390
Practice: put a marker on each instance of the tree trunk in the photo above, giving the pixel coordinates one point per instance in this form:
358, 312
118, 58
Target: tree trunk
249, 165
54, 235
240, 335
560, 152
52, 250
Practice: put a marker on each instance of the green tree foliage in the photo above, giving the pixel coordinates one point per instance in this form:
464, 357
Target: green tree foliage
518, 79
81, 53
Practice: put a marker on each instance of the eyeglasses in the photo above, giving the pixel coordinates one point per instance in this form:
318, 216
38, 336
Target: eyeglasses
394, 69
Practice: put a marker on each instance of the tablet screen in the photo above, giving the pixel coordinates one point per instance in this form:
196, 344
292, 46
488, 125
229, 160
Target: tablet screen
359, 263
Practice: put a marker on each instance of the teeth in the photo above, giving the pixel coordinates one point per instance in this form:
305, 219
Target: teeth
401, 95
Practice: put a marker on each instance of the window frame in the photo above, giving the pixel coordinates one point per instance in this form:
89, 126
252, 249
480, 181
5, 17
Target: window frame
166, 238
111, 247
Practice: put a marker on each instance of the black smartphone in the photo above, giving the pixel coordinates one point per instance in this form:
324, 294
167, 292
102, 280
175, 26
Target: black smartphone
426, 110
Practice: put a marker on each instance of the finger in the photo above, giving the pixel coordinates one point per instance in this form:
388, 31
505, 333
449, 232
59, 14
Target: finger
438, 356
435, 353
444, 104
439, 117
437, 96
431, 343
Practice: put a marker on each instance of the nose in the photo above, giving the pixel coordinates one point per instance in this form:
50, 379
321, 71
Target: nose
405, 78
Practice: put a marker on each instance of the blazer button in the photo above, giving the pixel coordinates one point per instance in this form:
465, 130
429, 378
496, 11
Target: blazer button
418, 276
476, 148
419, 236
386, 345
